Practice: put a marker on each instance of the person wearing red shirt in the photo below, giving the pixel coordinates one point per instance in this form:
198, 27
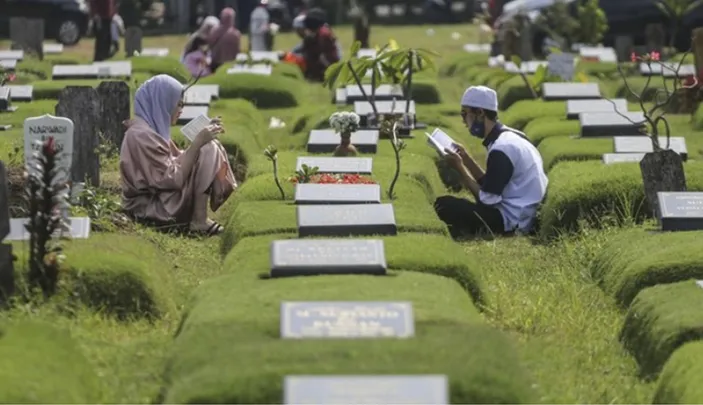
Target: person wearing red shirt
101, 12
319, 45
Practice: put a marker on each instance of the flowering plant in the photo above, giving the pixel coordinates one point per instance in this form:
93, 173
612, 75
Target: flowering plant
6, 77
326, 178
344, 122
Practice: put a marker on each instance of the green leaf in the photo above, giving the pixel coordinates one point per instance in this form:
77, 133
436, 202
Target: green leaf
354, 49
540, 74
332, 74
516, 60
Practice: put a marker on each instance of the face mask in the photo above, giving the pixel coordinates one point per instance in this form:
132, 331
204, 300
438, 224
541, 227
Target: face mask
478, 128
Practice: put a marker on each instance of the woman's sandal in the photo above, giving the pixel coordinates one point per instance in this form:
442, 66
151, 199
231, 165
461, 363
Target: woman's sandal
213, 230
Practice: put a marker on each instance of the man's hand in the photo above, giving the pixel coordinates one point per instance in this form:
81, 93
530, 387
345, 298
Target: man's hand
461, 150
453, 159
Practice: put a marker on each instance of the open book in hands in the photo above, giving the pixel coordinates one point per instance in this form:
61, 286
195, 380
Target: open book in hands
441, 141
193, 128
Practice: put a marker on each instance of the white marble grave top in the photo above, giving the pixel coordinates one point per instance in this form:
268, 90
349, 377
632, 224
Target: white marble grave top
156, 52
74, 70
9, 64
53, 48
79, 228
259, 69
603, 54
115, 69
11, 55
259, 56
477, 48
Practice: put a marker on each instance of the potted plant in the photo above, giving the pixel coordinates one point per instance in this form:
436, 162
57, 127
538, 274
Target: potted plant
662, 169
344, 123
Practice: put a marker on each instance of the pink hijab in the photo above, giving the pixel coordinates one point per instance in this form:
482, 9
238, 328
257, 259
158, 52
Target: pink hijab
225, 39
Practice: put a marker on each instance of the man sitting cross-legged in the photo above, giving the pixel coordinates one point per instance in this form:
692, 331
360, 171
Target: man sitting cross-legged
509, 191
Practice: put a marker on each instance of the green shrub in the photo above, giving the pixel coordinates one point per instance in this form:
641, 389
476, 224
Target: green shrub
605, 69
523, 112
511, 91
41, 363
426, 92
541, 128
263, 91
598, 194
169, 65
117, 274
288, 70
557, 149
679, 382
697, 119
661, 319
451, 337
634, 260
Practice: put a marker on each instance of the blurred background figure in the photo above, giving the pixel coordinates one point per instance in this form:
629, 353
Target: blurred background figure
259, 27
319, 45
116, 30
101, 13
225, 40
206, 28
198, 59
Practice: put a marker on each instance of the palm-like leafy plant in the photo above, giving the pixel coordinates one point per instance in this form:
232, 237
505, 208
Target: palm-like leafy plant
676, 10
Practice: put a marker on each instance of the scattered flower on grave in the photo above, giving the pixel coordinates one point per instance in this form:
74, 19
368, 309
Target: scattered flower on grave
326, 178
6, 77
653, 56
344, 122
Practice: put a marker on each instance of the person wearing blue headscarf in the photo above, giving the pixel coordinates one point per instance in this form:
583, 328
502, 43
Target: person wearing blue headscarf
165, 185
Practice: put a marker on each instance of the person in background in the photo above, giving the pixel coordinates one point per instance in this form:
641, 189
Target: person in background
161, 183
225, 40
259, 27
510, 190
319, 45
101, 13
197, 60
299, 28
208, 24
116, 30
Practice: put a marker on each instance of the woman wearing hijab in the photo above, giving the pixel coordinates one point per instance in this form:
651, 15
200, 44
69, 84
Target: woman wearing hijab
161, 183
224, 40
319, 46
209, 23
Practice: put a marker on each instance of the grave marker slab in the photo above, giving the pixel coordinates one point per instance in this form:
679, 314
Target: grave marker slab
195, 96
213, 89
575, 107
311, 193
258, 56
683, 71
5, 99
562, 65
115, 69
600, 54
78, 228
190, 112
74, 72
300, 257
340, 96
52, 49
21, 92
363, 108
643, 144
12, 55
347, 319
477, 48
657, 68
366, 52
133, 41
611, 158
337, 165
346, 220
155, 52
9, 65
115, 107
566, 91
38, 129
366, 389
326, 140
384, 92
81, 104
681, 211
611, 124
257, 69
28, 34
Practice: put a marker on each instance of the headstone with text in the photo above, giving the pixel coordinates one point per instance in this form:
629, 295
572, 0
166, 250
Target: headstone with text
346, 319
115, 108
326, 140
301, 257
562, 65
81, 104
575, 107
681, 211
133, 41
28, 34
114, 69
603, 124
366, 389
643, 144
310, 193
37, 130
336, 165
346, 220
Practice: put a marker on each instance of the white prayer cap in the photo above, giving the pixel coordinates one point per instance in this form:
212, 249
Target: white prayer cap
480, 97
299, 22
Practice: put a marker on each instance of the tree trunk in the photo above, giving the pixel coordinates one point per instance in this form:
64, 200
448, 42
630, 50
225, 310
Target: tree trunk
697, 45
661, 171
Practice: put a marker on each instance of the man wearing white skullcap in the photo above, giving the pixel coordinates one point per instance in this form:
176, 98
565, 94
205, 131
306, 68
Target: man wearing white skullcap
510, 190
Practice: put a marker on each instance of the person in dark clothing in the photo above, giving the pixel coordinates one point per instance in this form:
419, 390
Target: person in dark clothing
319, 45
101, 12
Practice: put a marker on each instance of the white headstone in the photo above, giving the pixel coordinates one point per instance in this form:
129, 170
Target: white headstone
39, 129
562, 65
